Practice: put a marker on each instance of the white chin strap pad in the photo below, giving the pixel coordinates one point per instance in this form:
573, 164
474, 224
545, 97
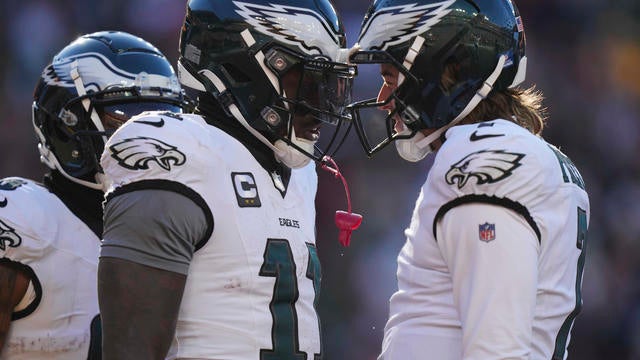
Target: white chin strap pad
291, 156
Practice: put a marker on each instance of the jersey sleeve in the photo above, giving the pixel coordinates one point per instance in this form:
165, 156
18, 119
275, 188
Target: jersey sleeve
155, 147
25, 226
165, 240
153, 215
492, 254
508, 169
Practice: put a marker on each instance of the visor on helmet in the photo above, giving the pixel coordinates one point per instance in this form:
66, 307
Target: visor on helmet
324, 86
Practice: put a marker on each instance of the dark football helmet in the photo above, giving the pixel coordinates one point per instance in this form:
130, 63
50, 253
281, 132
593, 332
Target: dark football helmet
92, 86
484, 39
242, 55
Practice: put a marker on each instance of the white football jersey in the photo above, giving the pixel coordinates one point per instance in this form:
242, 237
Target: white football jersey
252, 288
61, 252
493, 262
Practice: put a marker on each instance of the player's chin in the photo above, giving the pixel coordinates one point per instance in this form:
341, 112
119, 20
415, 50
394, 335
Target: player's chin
308, 127
399, 125
311, 133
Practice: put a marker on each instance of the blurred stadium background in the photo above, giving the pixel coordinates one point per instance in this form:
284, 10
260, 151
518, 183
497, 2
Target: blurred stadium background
583, 54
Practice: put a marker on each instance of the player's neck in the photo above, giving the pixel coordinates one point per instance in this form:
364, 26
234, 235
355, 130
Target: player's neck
84, 202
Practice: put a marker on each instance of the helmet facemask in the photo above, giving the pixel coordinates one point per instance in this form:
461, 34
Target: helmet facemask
375, 129
313, 94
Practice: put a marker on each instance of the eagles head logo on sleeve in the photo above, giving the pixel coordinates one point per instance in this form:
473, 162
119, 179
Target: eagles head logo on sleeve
136, 153
487, 166
8, 237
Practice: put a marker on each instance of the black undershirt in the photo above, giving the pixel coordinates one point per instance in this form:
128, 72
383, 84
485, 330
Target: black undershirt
85, 203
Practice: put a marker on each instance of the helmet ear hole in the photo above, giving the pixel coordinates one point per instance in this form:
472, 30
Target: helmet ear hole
68, 121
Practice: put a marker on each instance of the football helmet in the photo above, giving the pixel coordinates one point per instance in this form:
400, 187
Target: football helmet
92, 86
272, 65
484, 39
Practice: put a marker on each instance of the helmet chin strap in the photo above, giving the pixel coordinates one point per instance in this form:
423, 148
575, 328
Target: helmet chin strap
86, 103
412, 53
282, 151
422, 145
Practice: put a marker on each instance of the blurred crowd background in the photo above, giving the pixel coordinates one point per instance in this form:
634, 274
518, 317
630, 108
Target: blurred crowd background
583, 54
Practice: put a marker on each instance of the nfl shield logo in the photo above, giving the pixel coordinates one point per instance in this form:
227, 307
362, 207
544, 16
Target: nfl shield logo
487, 232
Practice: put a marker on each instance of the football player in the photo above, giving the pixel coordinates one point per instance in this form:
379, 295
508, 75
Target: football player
495, 251
209, 244
50, 233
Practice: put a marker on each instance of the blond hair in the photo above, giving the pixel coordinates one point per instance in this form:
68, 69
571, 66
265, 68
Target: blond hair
521, 106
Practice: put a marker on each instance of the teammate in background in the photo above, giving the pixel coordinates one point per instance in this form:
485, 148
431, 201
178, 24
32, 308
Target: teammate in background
494, 256
50, 233
209, 235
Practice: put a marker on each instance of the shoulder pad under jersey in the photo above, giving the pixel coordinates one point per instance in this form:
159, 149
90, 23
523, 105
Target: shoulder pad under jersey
156, 145
28, 213
496, 158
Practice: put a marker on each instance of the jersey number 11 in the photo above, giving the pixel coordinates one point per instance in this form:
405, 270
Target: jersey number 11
279, 263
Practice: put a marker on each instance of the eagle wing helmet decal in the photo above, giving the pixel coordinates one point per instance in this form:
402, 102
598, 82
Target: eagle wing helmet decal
292, 25
487, 166
92, 66
397, 24
8, 237
136, 153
